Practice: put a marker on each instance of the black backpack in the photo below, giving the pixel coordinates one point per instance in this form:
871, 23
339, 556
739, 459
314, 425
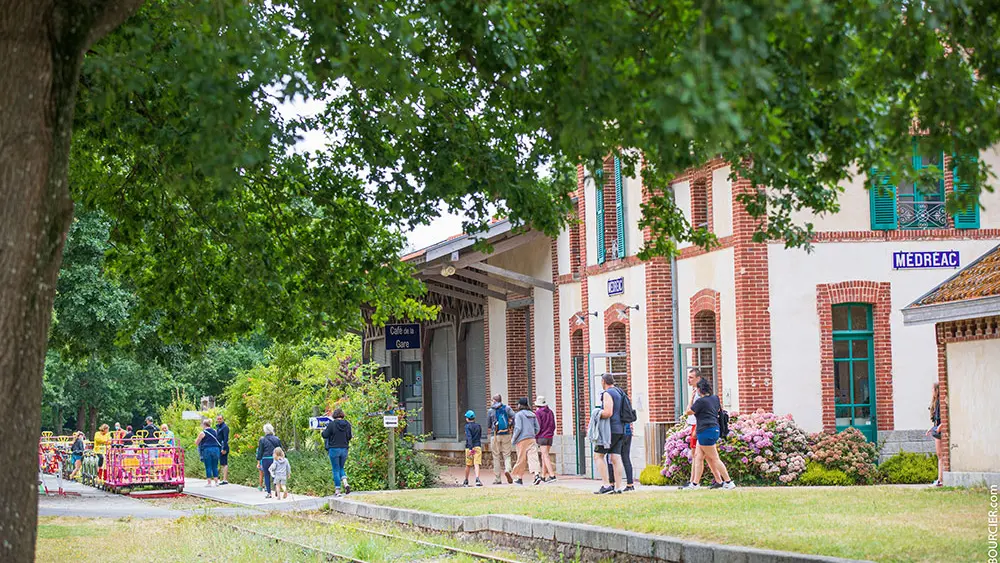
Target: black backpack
723, 423
627, 415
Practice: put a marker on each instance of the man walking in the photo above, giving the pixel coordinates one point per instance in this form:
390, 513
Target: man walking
611, 409
500, 420
223, 431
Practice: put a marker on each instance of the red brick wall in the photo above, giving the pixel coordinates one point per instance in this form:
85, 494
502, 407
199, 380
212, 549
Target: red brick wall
610, 213
581, 404
517, 354
706, 317
879, 296
576, 260
659, 327
700, 210
753, 319
556, 338
983, 328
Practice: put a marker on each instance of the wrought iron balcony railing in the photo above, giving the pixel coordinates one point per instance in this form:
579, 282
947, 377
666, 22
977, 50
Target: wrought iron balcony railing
915, 215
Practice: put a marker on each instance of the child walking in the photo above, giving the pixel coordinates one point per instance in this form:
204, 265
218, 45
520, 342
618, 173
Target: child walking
473, 447
280, 471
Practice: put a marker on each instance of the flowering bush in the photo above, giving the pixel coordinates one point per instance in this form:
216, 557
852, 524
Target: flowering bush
761, 447
849, 451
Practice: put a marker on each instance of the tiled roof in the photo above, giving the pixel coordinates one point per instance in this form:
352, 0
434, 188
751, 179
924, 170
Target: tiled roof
979, 279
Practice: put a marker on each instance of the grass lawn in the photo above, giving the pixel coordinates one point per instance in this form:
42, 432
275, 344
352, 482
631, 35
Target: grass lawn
205, 538
877, 523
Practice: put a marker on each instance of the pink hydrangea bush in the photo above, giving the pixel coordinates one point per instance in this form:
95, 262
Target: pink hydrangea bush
762, 447
849, 451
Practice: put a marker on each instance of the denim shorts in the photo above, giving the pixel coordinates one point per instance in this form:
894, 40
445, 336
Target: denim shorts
708, 436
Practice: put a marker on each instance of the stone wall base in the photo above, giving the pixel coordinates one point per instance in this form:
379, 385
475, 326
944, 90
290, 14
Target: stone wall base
971, 479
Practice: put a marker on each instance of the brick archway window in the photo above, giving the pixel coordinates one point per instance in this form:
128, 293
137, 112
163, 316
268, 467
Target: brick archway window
706, 329
840, 307
616, 338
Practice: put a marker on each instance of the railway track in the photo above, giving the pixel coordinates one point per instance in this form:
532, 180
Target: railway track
334, 556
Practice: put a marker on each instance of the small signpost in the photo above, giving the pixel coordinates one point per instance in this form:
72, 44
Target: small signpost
402, 337
390, 421
191, 415
319, 422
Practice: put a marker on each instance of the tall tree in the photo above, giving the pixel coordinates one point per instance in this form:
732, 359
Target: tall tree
221, 226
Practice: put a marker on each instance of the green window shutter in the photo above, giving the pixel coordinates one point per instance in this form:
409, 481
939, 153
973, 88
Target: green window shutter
967, 218
883, 202
599, 205
620, 208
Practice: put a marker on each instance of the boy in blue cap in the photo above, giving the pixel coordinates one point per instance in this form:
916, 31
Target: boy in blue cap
473, 447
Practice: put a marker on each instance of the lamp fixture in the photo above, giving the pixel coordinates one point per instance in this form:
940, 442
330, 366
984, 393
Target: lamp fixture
447, 270
636, 307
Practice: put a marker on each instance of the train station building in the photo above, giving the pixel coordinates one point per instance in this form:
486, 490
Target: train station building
819, 334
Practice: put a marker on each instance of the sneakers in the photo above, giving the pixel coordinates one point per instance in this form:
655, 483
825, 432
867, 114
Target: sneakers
937, 483
538, 479
478, 482
604, 490
224, 483
729, 485
690, 487
628, 489
497, 481
347, 488
518, 482
268, 495
715, 485
509, 478
465, 483
617, 492
336, 493
552, 478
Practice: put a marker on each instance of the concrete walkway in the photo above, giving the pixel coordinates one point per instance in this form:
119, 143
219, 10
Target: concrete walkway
241, 495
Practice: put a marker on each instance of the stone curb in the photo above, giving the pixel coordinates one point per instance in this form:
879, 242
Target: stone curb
661, 548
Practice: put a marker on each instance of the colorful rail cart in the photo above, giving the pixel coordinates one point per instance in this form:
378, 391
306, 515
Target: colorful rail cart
141, 462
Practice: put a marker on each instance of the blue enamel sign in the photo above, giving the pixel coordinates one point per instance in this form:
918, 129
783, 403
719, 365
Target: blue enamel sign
616, 286
402, 337
925, 259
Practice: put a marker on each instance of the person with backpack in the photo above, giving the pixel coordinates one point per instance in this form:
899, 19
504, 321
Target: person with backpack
628, 417
500, 419
209, 448
612, 402
265, 455
337, 436
707, 410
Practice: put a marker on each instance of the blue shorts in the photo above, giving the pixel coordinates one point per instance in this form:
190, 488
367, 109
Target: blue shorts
708, 436
76, 457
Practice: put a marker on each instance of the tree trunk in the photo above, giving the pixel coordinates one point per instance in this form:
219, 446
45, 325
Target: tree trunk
42, 43
81, 417
93, 421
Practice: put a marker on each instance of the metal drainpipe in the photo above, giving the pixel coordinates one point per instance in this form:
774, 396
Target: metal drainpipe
676, 335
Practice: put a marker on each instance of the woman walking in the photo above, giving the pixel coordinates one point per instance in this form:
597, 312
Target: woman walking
936, 430
706, 411
546, 430
209, 448
337, 435
525, 430
265, 455
76, 451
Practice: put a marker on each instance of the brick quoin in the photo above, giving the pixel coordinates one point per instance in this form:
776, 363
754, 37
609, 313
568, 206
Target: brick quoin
517, 354
659, 326
706, 315
753, 317
879, 296
982, 328
486, 350
616, 335
610, 212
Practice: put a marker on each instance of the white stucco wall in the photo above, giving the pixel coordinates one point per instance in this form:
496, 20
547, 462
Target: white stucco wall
714, 270
973, 396
498, 346
989, 218
795, 336
722, 202
562, 252
569, 304
632, 188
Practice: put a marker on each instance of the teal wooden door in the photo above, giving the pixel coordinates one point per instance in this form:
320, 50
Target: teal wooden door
854, 369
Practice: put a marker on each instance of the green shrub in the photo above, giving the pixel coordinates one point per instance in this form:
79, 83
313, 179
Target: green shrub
817, 474
907, 467
653, 475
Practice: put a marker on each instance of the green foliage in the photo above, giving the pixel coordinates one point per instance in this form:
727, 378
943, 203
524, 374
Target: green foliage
910, 468
367, 465
816, 474
848, 451
185, 431
653, 475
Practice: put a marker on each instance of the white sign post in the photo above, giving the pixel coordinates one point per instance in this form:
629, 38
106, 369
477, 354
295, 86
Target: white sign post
191, 415
390, 421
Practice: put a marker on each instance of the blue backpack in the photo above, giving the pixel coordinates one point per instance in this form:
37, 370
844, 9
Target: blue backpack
502, 422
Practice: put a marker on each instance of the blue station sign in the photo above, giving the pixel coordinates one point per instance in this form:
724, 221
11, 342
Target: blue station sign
616, 286
925, 259
402, 337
